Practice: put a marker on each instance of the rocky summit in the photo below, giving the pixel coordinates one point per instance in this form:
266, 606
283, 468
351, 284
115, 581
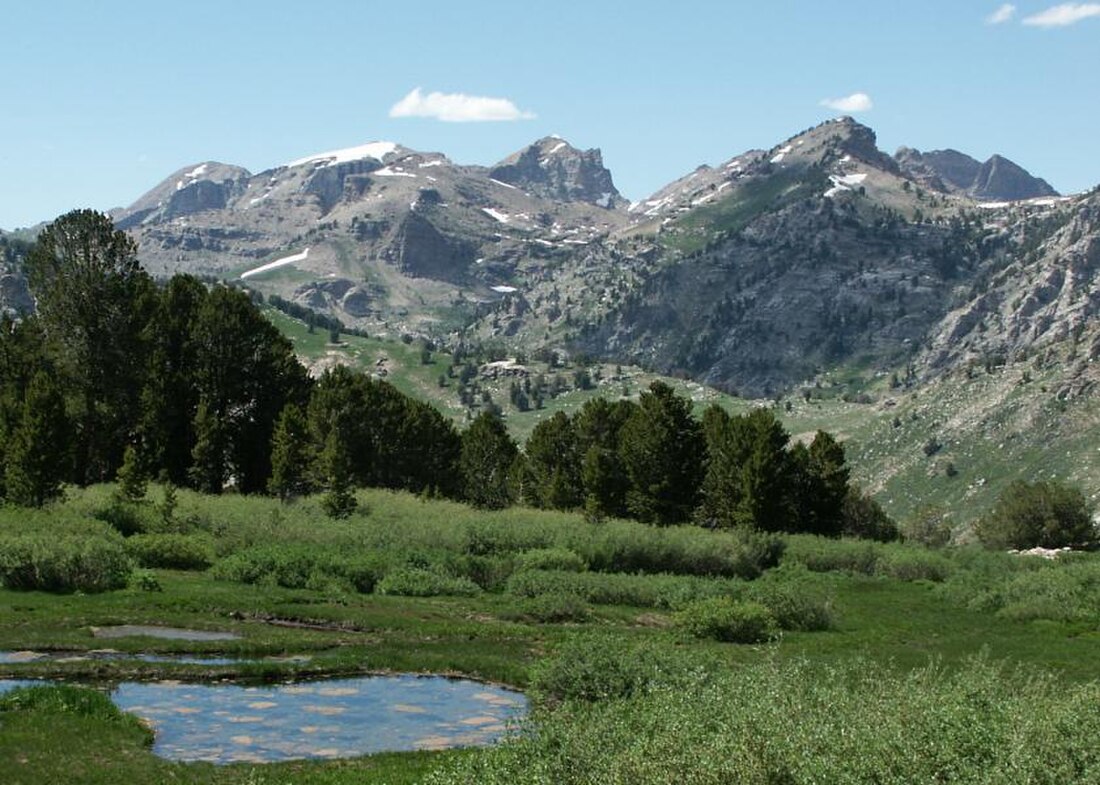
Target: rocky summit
950, 171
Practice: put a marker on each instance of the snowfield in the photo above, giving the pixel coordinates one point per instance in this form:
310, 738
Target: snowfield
298, 257
375, 150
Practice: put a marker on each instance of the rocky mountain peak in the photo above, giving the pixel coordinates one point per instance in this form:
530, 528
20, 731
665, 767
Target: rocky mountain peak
554, 169
205, 186
950, 171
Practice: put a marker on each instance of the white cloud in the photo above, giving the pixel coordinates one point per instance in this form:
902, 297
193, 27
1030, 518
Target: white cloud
1001, 15
1063, 15
856, 102
458, 108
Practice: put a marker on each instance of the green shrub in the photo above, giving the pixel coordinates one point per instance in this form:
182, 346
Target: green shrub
145, 580
1044, 514
554, 609
128, 518
640, 591
860, 557
64, 561
596, 666
621, 546
796, 598
820, 554
421, 582
489, 572
929, 526
550, 559
913, 564
864, 517
766, 723
171, 551
729, 620
301, 565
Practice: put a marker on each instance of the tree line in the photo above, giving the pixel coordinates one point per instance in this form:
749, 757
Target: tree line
117, 377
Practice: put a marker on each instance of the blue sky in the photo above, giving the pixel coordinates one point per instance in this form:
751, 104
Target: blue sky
103, 100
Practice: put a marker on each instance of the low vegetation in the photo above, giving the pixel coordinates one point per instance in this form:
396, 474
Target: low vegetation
689, 598
632, 639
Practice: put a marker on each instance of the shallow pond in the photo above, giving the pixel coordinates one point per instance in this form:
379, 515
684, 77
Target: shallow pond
224, 723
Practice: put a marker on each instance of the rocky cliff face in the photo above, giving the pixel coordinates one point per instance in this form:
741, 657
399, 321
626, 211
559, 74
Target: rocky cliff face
405, 227
554, 169
1040, 287
754, 274
194, 189
15, 297
950, 171
758, 273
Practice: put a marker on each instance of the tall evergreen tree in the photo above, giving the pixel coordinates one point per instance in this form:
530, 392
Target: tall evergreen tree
726, 452
94, 301
133, 481
246, 372
208, 471
827, 486
554, 465
339, 499
170, 398
598, 426
767, 498
488, 455
662, 451
290, 455
36, 460
340, 404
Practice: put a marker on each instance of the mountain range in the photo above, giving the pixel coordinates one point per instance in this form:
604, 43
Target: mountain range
752, 275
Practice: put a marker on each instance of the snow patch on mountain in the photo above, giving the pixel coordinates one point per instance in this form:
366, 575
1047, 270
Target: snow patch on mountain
298, 257
375, 150
502, 217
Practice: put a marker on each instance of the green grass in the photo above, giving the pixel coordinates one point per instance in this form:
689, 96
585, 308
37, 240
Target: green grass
840, 614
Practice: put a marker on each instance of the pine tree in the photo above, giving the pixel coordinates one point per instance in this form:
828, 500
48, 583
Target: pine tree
289, 455
598, 425
339, 499
208, 470
598, 479
36, 460
169, 400
827, 484
94, 302
662, 450
726, 446
554, 464
767, 501
131, 476
245, 373
486, 463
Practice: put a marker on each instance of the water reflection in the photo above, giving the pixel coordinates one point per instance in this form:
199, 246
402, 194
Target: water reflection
227, 723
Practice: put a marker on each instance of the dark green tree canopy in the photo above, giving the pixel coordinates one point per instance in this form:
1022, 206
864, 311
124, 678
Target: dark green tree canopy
1045, 514
94, 301
662, 451
488, 455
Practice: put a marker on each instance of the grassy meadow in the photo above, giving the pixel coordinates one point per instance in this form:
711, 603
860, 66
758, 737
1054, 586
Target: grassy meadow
616, 630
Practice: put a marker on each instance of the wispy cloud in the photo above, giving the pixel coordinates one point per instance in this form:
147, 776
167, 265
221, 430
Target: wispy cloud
856, 102
1001, 15
1063, 15
458, 108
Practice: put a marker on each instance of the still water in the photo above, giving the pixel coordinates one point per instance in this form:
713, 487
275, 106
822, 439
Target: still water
225, 723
